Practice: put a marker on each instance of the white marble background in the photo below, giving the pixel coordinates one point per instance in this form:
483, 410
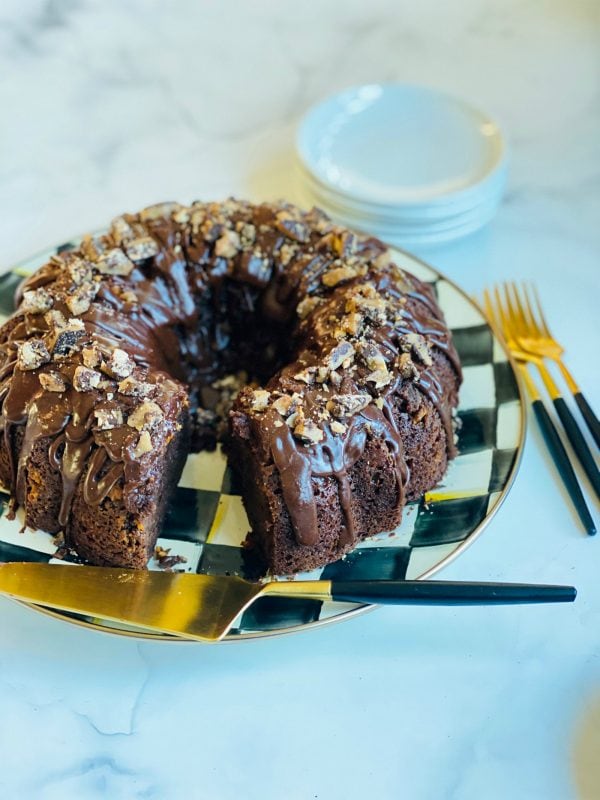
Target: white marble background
110, 106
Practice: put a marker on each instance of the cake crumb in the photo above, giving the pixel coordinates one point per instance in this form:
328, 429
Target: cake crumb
165, 560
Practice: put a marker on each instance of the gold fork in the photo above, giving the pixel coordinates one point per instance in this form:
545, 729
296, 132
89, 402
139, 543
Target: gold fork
530, 337
499, 317
535, 337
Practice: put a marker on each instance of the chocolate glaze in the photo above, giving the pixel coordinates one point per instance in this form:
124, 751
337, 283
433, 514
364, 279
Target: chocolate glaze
175, 315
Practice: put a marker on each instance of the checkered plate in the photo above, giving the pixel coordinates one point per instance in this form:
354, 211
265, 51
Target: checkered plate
207, 522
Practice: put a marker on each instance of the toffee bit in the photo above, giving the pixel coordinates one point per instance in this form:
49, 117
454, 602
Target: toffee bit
120, 230
406, 367
145, 416
68, 340
228, 244
352, 323
143, 446
306, 375
380, 377
259, 399
93, 248
336, 379
159, 210
341, 355
55, 319
85, 380
295, 418
417, 345
182, 216
120, 364
292, 227
419, 415
141, 248
372, 356
37, 301
80, 271
115, 262
283, 405
308, 432
108, 417
337, 427
32, 354
306, 306
91, 356
81, 299
339, 275
286, 253
247, 233
345, 405
129, 297
52, 381
134, 388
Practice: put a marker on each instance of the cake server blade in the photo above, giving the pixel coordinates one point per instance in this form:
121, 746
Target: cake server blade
203, 607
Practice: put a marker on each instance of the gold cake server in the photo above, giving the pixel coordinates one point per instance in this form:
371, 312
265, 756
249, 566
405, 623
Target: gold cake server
204, 607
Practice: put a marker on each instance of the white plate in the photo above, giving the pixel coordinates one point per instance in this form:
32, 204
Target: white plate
489, 190
386, 224
399, 144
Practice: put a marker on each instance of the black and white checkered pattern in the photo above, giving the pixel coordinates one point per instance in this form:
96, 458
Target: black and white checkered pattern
207, 522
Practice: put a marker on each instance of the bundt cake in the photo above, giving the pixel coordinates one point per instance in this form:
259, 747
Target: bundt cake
112, 366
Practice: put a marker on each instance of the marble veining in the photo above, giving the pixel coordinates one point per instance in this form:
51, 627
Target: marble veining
107, 107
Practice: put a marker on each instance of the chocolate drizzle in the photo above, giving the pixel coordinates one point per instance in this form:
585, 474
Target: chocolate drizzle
333, 457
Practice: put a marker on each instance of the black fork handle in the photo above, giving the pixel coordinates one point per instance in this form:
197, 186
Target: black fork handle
561, 459
579, 443
589, 416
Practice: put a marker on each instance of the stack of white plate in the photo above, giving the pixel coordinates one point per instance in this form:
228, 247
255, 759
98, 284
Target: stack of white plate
411, 165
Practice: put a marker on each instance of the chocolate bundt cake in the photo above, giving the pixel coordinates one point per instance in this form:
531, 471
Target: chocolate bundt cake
114, 362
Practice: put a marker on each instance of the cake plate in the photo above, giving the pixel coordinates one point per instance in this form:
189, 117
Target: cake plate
207, 522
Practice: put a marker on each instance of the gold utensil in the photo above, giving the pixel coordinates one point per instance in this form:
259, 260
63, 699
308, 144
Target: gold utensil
533, 335
502, 317
529, 336
204, 607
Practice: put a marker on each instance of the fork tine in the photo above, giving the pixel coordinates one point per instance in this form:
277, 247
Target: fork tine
544, 324
533, 322
501, 315
522, 319
489, 308
511, 316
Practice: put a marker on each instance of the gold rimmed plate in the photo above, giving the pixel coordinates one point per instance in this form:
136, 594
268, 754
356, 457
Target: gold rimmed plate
207, 522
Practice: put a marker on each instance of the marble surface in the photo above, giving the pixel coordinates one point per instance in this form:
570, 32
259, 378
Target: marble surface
108, 107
